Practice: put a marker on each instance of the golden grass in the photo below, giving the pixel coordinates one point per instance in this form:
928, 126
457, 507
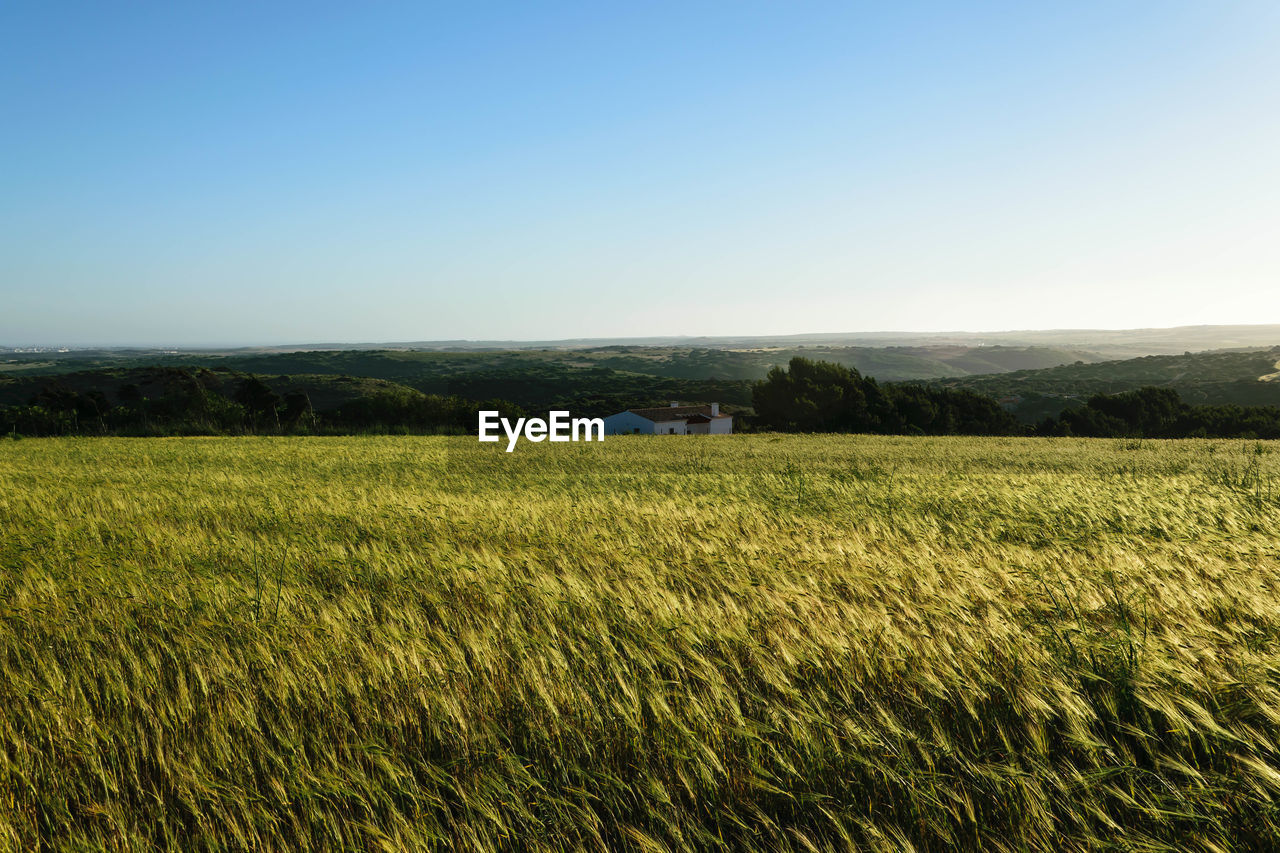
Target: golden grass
750, 642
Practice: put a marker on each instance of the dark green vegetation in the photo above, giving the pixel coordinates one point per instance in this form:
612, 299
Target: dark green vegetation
200, 401
176, 401
819, 396
1204, 378
423, 391
395, 387
622, 369
1161, 413
822, 642
822, 397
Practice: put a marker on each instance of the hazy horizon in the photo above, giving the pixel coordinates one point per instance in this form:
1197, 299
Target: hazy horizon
812, 335
308, 173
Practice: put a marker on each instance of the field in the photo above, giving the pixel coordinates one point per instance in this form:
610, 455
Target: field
755, 642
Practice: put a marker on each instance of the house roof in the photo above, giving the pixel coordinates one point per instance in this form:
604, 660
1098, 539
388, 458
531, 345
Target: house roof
659, 414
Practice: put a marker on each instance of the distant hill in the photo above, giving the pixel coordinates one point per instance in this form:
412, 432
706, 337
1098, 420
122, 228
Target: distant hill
1242, 378
434, 371
1035, 374
1115, 343
324, 392
884, 363
534, 386
1108, 343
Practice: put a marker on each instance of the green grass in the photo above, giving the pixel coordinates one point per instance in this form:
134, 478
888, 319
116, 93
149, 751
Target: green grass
755, 642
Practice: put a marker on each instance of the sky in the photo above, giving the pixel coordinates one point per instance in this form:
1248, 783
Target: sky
273, 173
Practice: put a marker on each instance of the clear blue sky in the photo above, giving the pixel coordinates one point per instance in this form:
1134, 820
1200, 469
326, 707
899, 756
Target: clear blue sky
179, 173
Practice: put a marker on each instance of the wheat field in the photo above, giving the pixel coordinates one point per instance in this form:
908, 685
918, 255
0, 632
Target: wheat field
652, 643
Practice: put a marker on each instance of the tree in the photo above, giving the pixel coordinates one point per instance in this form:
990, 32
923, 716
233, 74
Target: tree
297, 406
259, 401
818, 396
812, 396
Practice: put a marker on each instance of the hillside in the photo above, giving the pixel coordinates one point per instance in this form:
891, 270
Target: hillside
438, 371
1239, 378
604, 380
324, 392
199, 400
1033, 381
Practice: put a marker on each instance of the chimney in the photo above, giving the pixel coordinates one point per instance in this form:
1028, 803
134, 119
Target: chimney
674, 403
715, 410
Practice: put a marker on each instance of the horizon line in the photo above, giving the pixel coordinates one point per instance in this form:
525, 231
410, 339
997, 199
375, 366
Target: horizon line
527, 342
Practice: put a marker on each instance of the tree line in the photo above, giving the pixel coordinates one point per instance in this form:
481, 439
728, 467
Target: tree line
821, 396
1161, 413
818, 396
201, 402
806, 396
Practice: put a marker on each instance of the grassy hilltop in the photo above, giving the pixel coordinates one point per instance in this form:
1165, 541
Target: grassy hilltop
755, 642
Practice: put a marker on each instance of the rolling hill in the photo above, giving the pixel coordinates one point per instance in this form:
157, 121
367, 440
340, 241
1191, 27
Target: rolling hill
1240, 378
1035, 374
433, 370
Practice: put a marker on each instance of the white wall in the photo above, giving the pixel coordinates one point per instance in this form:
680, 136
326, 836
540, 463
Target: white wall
626, 422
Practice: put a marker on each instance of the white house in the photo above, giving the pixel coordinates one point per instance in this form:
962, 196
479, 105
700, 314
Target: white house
670, 420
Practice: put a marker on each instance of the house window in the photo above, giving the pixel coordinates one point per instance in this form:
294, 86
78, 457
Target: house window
636, 430
671, 431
